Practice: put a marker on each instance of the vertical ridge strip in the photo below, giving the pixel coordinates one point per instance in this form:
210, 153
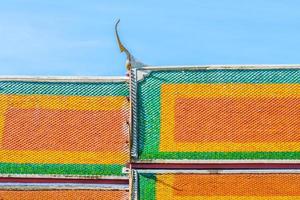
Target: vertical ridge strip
134, 128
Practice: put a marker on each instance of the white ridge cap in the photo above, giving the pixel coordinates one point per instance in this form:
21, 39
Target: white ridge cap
237, 66
65, 78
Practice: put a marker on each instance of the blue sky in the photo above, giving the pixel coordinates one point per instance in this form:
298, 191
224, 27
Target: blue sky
72, 37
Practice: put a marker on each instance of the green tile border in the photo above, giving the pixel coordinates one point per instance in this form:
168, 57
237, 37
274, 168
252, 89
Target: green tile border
146, 186
65, 88
61, 169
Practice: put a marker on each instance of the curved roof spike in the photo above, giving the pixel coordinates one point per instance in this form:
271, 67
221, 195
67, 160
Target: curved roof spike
121, 46
131, 62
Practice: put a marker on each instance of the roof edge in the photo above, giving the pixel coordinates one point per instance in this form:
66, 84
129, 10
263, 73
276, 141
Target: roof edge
65, 78
236, 66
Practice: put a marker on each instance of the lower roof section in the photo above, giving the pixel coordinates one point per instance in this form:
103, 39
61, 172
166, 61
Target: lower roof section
216, 184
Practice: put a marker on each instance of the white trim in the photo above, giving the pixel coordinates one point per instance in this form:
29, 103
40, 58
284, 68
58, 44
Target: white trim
207, 67
62, 186
65, 78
